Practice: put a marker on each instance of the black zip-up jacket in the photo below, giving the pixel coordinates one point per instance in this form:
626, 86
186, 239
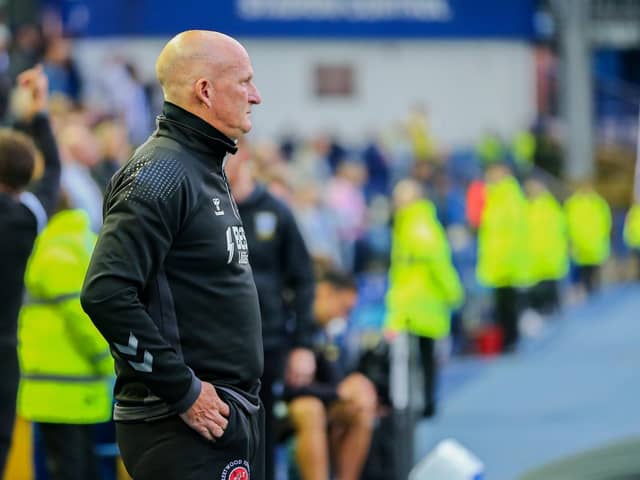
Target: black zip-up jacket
169, 284
281, 268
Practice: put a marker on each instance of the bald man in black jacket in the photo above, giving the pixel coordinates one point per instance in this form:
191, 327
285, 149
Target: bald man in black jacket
170, 286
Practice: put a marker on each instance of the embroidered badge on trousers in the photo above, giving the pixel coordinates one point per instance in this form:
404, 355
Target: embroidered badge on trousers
236, 470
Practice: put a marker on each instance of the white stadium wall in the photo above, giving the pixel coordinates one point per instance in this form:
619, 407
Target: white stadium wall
468, 86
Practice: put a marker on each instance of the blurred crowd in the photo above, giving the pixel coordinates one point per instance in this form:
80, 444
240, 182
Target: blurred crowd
512, 224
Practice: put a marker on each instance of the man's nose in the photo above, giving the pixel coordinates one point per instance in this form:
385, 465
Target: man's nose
254, 96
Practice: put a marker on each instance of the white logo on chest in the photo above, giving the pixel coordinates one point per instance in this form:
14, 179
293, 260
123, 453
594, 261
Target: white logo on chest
216, 203
236, 240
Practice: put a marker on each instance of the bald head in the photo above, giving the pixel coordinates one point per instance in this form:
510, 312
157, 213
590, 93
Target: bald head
198, 70
190, 55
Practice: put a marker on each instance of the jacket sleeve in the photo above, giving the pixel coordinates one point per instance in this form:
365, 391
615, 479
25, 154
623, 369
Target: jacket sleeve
47, 188
432, 245
448, 280
299, 279
143, 212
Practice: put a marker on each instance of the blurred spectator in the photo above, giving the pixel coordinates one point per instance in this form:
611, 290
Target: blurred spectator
548, 244
523, 150
336, 155
423, 285
114, 151
425, 173
376, 162
80, 154
22, 216
333, 417
372, 253
52, 25
60, 111
344, 196
288, 145
26, 49
632, 234
268, 160
503, 261
475, 201
283, 274
589, 226
64, 77
449, 200
278, 184
423, 143
317, 224
548, 151
312, 161
490, 149
401, 156
66, 366
127, 97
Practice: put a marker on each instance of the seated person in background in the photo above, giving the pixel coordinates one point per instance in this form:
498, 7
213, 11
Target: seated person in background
333, 416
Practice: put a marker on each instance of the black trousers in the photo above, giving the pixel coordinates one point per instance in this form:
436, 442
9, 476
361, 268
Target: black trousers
8, 394
168, 449
588, 276
69, 451
429, 373
544, 297
506, 311
274, 360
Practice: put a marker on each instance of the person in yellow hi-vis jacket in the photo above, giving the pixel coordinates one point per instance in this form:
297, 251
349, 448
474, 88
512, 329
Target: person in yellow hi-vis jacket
589, 225
66, 368
503, 257
548, 246
632, 233
424, 287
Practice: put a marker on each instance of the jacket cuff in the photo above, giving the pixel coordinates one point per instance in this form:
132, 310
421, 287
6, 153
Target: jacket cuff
190, 397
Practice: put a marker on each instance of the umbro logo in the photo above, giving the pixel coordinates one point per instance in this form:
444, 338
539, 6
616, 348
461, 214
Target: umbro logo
216, 203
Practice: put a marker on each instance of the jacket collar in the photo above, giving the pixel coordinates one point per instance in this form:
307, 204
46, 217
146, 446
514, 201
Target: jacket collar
193, 132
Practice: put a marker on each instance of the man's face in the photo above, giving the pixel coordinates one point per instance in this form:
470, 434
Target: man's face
234, 93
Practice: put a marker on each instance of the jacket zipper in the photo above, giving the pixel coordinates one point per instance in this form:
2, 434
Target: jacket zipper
234, 207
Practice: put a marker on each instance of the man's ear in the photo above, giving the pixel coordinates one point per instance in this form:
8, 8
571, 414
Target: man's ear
204, 92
